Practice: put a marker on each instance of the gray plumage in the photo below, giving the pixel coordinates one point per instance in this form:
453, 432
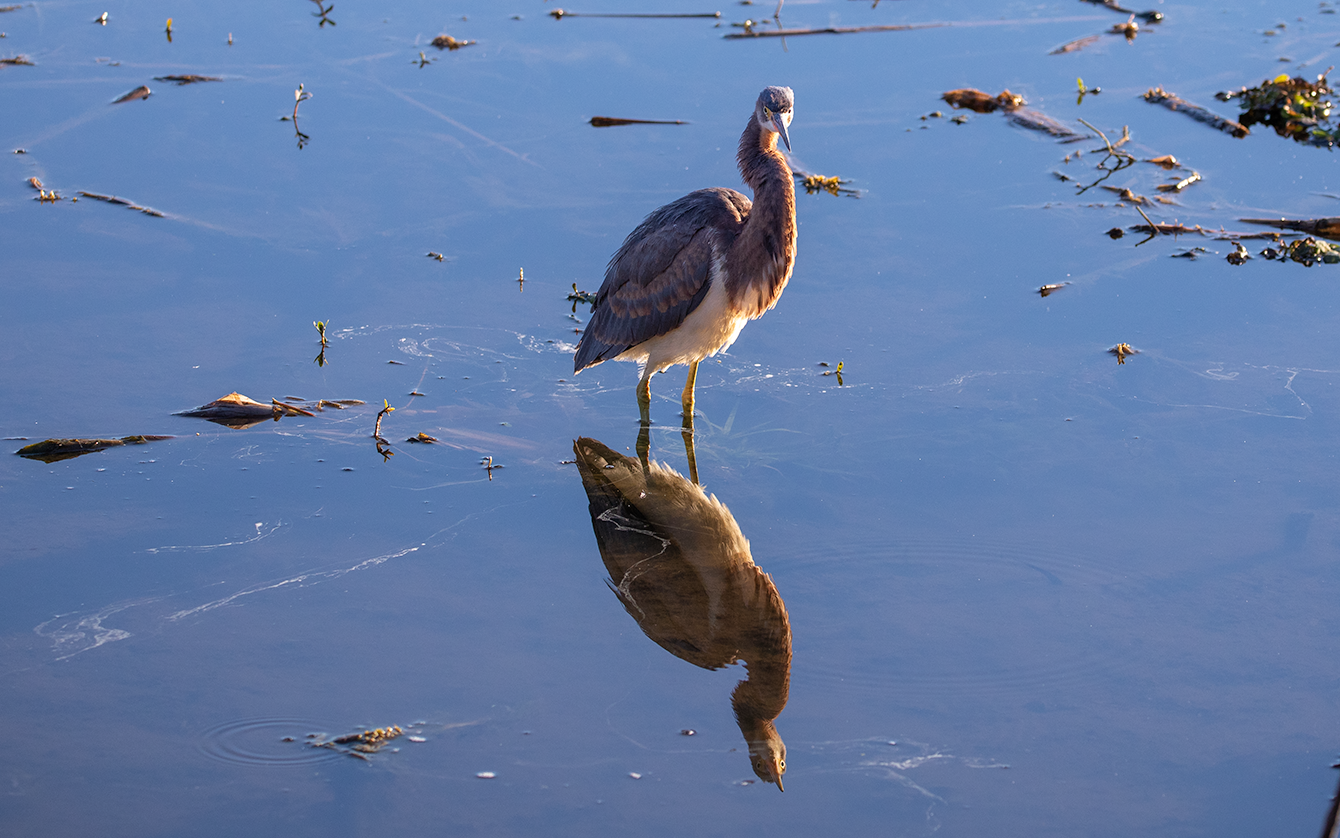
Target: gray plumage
667, 268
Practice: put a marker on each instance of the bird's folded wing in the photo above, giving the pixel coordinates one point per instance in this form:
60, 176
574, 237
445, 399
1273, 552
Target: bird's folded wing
652, 287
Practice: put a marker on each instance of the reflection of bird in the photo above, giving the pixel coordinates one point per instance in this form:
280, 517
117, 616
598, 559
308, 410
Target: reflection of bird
685, 281
681, 567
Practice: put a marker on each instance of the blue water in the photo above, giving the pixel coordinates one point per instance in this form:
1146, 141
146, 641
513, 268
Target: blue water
1080, 597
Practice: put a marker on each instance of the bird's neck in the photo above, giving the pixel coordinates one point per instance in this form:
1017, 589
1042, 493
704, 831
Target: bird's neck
761, 164
759, 263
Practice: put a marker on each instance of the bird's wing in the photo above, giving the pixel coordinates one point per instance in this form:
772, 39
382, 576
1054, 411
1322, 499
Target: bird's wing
661, 272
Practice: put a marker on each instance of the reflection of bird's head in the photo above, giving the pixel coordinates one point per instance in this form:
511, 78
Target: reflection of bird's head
774, 110
767, 755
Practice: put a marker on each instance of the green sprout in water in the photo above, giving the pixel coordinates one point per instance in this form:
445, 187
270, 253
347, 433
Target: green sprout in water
321, 329
1084, 90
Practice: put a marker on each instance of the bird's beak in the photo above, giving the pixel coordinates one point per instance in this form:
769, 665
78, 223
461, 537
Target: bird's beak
779, 124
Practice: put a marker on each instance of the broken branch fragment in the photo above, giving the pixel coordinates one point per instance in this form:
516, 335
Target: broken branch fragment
186, 79
54, 450
1327, 228
611, 121
1173, 102
826, 30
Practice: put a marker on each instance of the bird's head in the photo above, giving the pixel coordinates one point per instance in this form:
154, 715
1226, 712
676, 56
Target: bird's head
773, 111
767, 754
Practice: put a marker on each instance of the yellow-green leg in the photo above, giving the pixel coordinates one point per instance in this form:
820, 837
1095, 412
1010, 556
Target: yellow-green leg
687, 399
687, 433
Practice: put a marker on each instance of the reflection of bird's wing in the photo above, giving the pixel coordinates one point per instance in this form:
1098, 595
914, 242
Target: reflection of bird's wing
661, 272
671, 553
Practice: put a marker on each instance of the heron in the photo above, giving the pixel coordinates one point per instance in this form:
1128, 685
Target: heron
689, 277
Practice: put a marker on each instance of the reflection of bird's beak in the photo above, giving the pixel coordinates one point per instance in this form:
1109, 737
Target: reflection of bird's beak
780, 125
779, 783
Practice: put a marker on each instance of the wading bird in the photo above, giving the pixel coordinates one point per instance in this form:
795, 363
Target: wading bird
687, 279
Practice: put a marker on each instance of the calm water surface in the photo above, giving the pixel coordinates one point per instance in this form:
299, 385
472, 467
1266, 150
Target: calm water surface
1030, 591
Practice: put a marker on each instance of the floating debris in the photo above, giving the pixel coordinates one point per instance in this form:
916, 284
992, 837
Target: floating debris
112, 199
238, 411
186, 79
423, 438
1327, 228
486, 775
377, 428
1130, 29
448, 42
1178, 229
688, 731
338, 404
1238, 255
1012, 104
13, 8
1166, 161
16, 61
432, 254
827, 30
488, 464
1173, 102
835, 372
1048, 290
321, 13
1115, 233
559, 14
1147, 17
635, 775
814, 184
141, 92
1192, 253
54, 450
1181, 184
1309, 251
581, 297
358, 745
1075, 45
1295, 107
611, 121
102, 18
1121, 350
976, 100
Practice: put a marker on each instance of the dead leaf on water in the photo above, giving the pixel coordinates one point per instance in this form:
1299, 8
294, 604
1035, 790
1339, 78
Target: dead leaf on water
238, 411
141, 92
448, 42
422, 437
1122, 350
976, 100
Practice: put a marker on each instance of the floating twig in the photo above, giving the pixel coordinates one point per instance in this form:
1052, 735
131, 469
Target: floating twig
1147, 17
321, 13
1048, 290
16, 61
1173, 102
1075, 45
611, 121
1327, 228
112, 199
55, 450
829, 30
1181, 184
559, 14
187, 79
377, 428
581, 297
